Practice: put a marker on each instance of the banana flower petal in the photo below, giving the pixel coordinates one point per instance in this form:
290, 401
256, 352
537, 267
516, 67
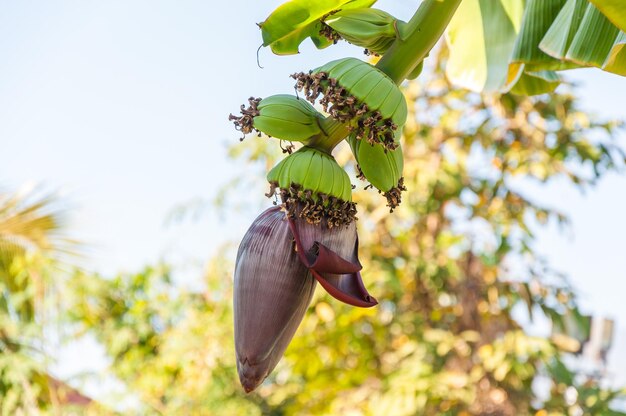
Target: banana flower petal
340, 277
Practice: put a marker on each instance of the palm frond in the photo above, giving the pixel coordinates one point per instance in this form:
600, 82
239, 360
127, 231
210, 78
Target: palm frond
32, 223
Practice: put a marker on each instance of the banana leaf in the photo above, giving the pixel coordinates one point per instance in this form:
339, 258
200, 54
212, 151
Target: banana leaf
534, 83
614, 10
539, 16
583, 35
481, 38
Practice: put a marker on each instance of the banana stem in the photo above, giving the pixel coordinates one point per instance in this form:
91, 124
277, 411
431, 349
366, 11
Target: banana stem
418, 37
333, 132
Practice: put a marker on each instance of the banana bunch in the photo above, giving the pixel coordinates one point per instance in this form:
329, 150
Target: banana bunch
313, 171
372, 29
369, 85
359, 93
313, 186
281, 116
381, 167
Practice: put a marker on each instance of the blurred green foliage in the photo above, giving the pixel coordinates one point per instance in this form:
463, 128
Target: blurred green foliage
454, 268
33, 252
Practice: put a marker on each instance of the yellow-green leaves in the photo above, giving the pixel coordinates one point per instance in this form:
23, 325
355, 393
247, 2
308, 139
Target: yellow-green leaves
538, 17
481, 37
616, 60
559, 37
494, 48
615, 10
291, 23
583, 35
533, 83
594, 39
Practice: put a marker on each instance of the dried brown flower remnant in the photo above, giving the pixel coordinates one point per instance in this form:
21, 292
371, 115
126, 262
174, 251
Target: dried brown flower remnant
394, 195
359, 173
330, 33
244, 123
310, 84
375, 130
367, 52
342, 106
288, 148
329, 210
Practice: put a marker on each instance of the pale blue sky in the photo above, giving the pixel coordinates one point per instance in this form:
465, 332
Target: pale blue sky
122, 105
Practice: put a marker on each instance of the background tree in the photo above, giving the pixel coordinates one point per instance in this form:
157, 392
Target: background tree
454, 269
33, 250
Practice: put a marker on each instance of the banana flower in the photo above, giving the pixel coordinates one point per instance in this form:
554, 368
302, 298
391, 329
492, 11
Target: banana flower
279, 261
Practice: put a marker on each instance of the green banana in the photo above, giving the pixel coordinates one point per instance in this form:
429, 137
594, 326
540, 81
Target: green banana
313, 174
282, 116
359, 78
339, 185
312, 170
354, 75
362, 88
369, 28
380, 46
285, 170
379, 93
314, 187
287, 107
341, 68
401, 111
359, 93
393, 104
381, 167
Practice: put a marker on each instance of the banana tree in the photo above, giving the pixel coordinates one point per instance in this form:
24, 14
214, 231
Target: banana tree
493, 45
